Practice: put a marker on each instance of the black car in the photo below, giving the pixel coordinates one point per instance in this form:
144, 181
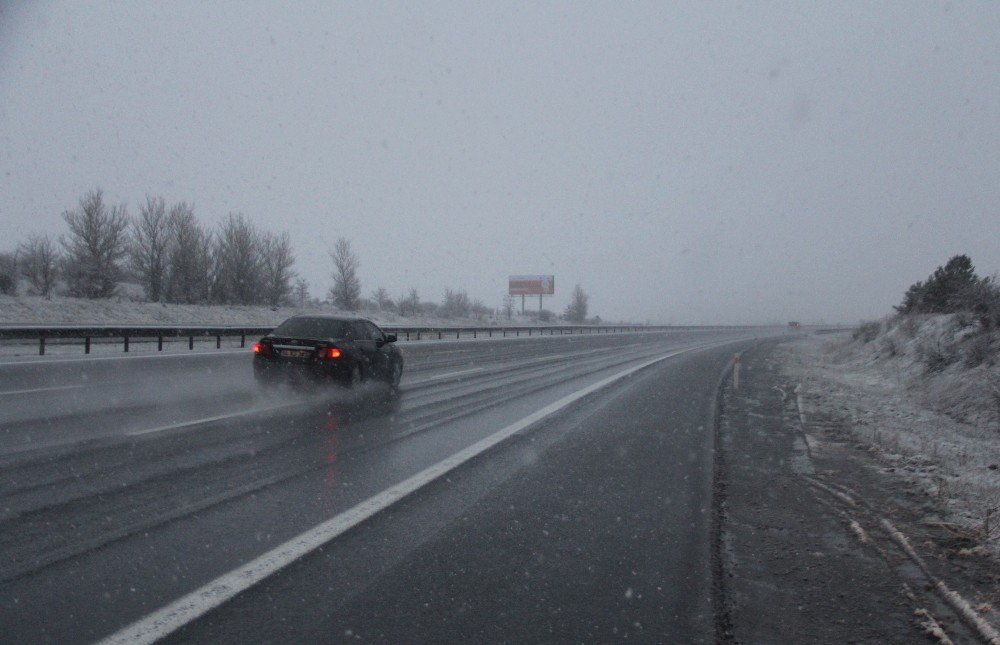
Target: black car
328, 348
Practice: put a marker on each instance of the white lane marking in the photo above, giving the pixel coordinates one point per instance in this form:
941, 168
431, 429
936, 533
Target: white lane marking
42, 389
186, 609
438, 377
218, 417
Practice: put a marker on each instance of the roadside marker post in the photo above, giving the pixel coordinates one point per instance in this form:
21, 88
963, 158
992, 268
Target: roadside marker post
736, 372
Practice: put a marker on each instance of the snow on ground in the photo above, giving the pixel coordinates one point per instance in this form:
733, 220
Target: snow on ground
937, 428
34, 310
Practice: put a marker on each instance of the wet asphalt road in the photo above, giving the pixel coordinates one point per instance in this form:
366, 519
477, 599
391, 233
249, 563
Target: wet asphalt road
126, 484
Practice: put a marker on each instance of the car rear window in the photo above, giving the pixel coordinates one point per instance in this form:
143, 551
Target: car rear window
313, 328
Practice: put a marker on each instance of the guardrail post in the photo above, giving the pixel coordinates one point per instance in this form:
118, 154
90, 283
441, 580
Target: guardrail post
418, 334
218, 341
439, 335
243, 340
41, 345
504, 330
159, 343
190, 342
474, 334
126, 342
86, 345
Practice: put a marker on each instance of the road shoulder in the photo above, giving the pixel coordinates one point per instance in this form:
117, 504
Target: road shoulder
807, 550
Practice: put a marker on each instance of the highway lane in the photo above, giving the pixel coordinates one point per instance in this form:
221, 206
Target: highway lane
592, 528
99, 527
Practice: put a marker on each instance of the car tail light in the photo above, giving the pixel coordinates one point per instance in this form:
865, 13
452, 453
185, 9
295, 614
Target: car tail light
331, 353
263, 349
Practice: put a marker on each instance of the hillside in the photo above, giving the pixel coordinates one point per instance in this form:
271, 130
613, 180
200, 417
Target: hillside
921, 394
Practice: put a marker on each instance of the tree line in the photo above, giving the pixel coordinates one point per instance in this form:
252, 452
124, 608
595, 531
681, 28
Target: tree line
955, 288
175, 258
171, 254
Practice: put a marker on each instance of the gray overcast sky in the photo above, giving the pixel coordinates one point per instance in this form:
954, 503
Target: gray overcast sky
697, 162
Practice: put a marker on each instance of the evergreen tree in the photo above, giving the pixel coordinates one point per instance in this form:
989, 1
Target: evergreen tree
949, 289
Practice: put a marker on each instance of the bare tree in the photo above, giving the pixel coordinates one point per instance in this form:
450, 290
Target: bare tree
456, 304
189, 257
149, 245
346, 290
381, 299
8, 274
409, 305
276, 269
508, 306
479, 310
39, 260
95, 246
576, 311
301, 292
238, 262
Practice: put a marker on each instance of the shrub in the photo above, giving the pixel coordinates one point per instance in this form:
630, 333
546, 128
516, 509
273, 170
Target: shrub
909, 325
937, 355
867, 331
978, 350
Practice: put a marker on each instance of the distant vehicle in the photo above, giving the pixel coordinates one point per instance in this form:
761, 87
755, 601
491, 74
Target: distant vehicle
795, 326
340, 349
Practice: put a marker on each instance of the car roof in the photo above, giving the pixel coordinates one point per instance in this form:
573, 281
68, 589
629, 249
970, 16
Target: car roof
337, 317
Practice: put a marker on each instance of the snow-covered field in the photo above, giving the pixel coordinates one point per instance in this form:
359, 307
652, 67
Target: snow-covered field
937, 427
34, 310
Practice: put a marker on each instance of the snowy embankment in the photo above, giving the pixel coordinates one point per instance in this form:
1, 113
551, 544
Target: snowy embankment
33, 310
923, 394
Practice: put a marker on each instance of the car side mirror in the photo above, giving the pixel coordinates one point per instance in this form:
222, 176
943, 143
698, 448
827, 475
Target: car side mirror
390, 338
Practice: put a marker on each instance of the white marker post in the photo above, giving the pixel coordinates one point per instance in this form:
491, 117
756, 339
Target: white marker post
736, 372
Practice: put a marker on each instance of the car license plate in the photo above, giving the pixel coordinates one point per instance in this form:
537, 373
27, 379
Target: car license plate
296, 353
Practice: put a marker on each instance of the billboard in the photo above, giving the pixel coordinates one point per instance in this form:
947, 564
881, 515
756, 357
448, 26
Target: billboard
531, 285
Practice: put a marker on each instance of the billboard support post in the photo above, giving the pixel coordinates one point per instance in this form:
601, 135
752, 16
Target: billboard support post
531, 285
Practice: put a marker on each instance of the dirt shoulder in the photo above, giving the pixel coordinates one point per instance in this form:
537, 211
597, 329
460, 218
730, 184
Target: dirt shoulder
821, 540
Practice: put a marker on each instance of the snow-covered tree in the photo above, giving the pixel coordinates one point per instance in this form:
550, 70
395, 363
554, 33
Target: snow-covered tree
148, 246
39, 260
95, 246
576, 311
346, 290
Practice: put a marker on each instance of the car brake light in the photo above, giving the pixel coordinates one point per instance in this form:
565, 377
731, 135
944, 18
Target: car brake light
263, 349
331, 353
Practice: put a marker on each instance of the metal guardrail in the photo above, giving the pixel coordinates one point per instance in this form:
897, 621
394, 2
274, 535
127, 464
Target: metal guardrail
90, 334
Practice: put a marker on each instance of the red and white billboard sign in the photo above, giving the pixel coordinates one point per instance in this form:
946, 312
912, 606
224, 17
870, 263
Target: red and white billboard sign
532, 285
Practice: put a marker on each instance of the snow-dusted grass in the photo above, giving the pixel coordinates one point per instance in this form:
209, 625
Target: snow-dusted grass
935, 423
